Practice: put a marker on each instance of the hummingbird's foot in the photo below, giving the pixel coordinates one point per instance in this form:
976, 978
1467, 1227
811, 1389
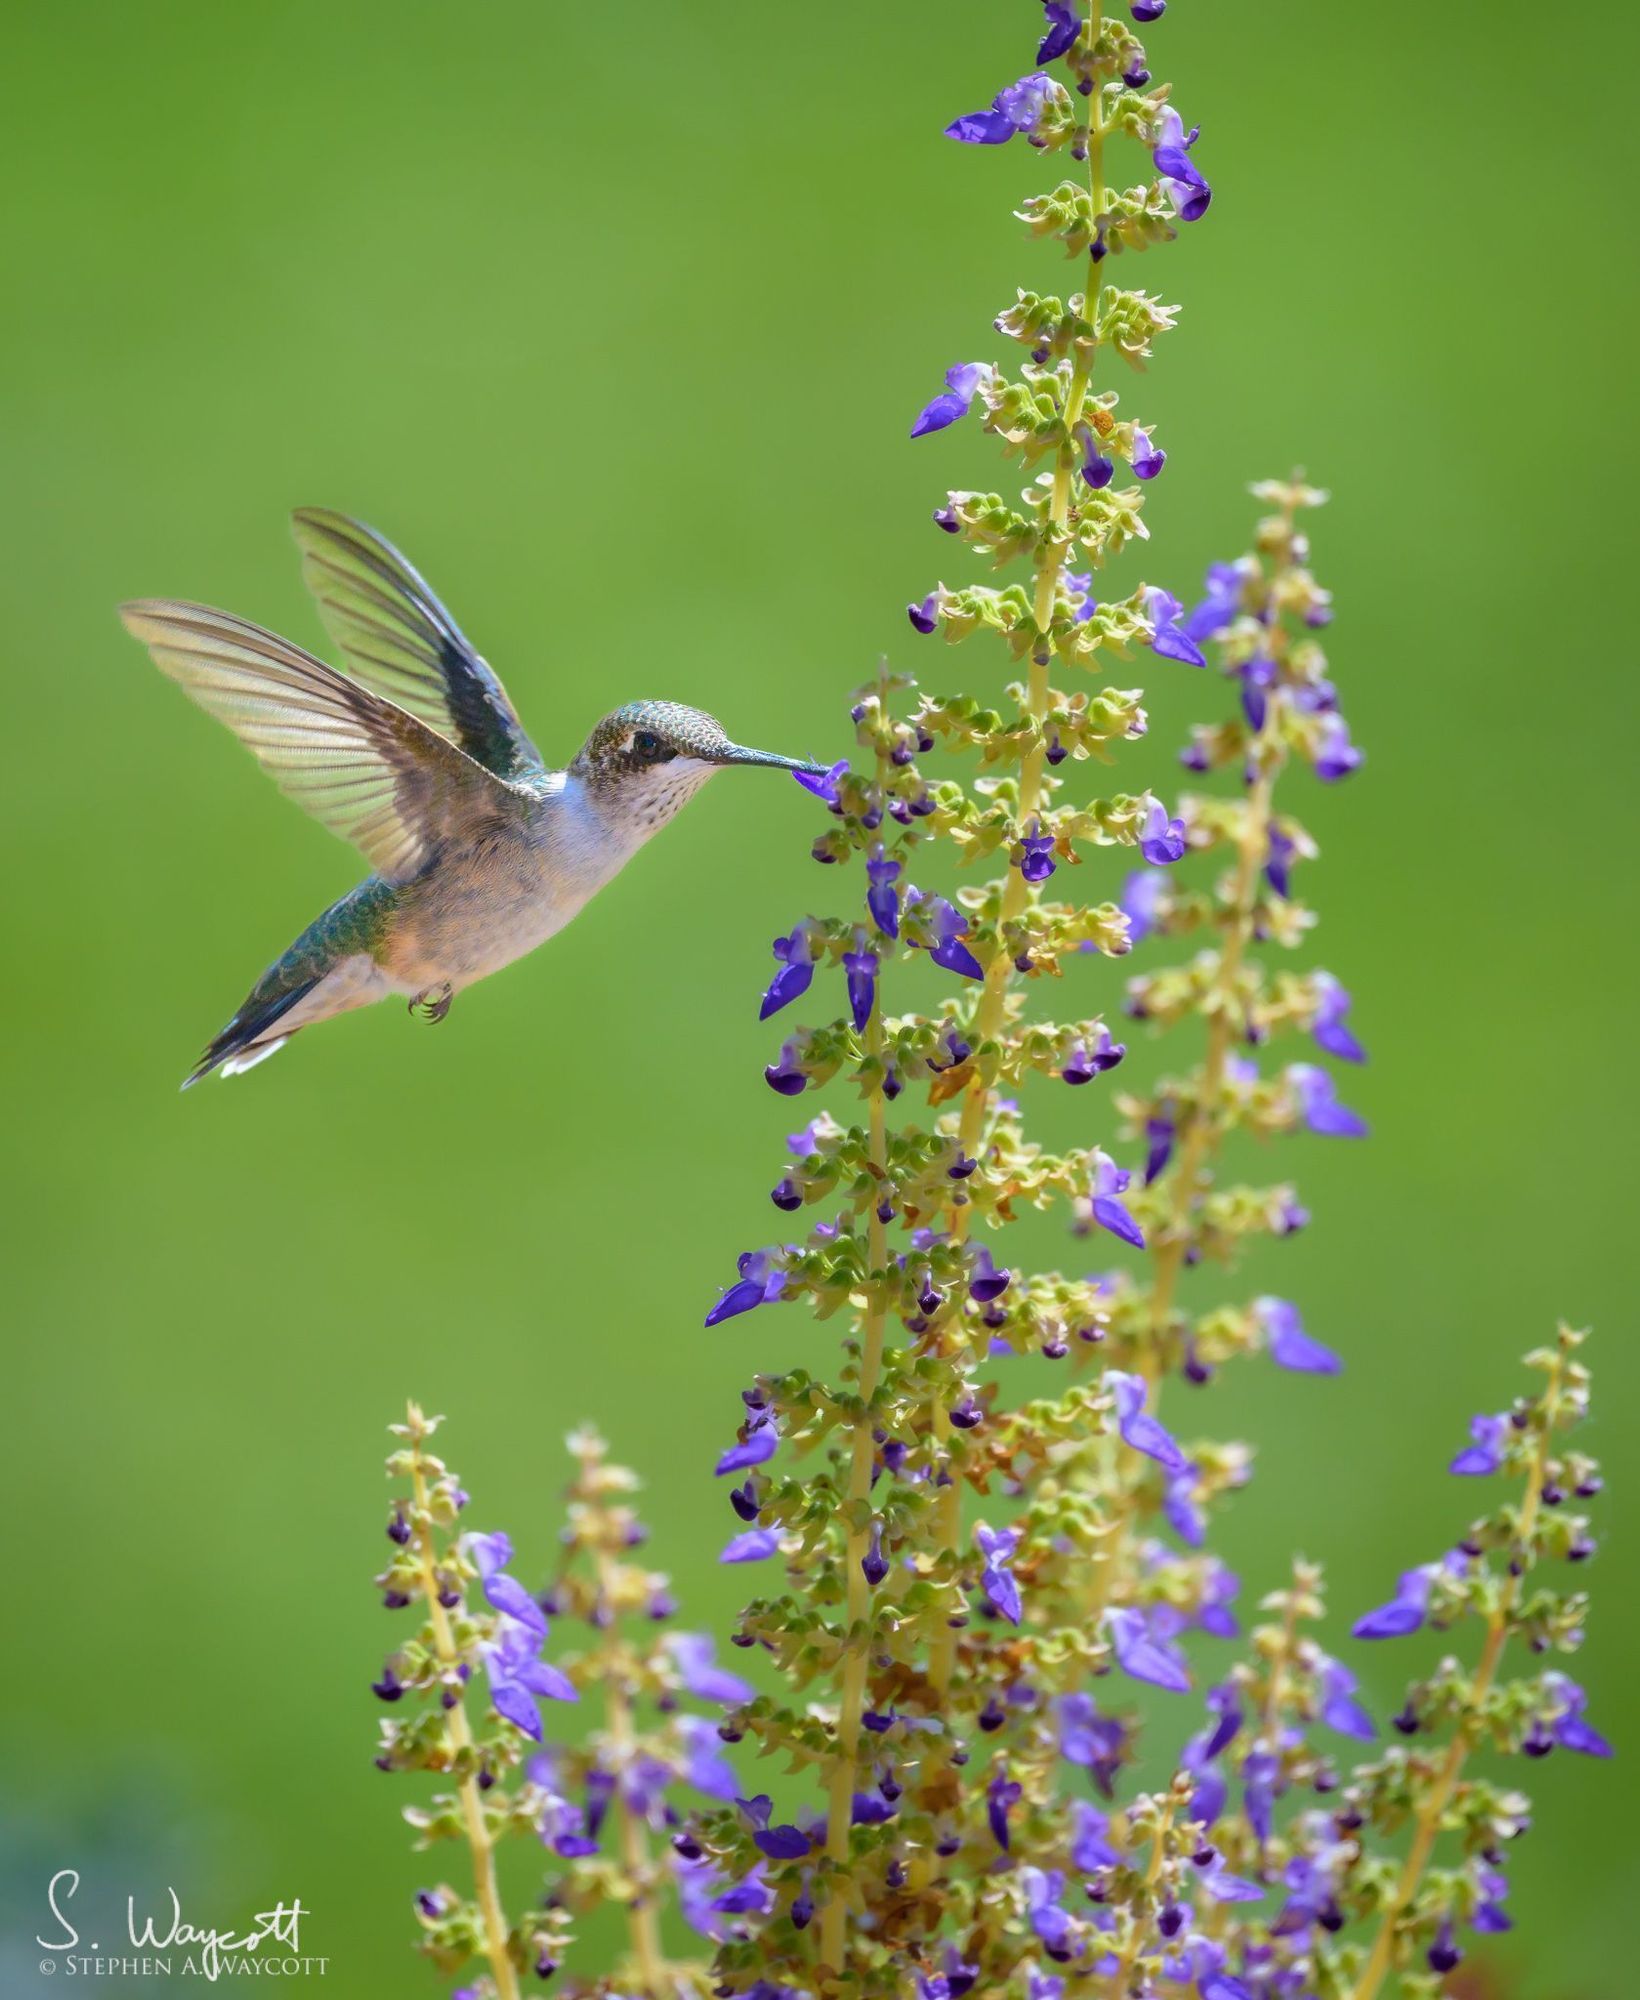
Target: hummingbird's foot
434, 1002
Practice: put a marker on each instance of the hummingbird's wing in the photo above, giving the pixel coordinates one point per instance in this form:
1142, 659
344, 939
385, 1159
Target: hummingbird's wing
364, 767
398, 639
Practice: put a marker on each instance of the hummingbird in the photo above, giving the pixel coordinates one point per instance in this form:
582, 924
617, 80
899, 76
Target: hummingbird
479, 850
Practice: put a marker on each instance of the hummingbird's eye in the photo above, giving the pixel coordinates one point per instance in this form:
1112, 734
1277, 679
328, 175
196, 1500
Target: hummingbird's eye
647, 745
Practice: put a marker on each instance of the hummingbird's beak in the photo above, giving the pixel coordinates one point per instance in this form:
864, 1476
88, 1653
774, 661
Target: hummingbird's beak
735, 753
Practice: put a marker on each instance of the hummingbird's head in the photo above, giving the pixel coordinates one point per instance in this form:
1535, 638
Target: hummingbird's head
651, 757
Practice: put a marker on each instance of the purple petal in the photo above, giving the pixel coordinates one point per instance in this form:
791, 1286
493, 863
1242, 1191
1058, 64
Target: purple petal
753, 1546
507, 1594
981, 128
754, 1450
737, 1299
1142, 1656
511, 1702
1110, 1214
788, 984
1064, 24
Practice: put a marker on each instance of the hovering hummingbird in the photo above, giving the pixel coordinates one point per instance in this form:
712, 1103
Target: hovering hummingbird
480, 852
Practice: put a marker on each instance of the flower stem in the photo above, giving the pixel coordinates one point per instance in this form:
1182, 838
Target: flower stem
988, 1016
851, 1696
1428, 1824
643, 1920
1135, 1937
502, 1969
1200, 1141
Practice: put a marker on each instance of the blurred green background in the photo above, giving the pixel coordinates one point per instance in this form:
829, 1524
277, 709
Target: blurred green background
615, 319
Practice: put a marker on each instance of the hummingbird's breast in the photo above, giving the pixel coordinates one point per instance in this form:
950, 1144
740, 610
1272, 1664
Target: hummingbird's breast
483, 904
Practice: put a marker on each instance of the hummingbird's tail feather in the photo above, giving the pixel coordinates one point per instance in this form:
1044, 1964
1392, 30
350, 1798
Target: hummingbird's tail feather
328, 970
248, 1038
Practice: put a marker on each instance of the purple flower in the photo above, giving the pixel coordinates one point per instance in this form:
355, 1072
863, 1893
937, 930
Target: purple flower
1095, 1741
1186, 188
1210, 1796
1223, 1887
1090, 1848
1339, 1708
1221, 603
926, 615
861, 967
1015, 109
1036, 863
1485, 1454
874, 1564
1224, 1704
1257, 677
805, 1144
705, 1765
1148, 10
780, 1843
753, 1546
1148, 459
1220, 1589
1335, 755
1260, 1772
389, 1687
1083, 1063
1144, 1655
1179, 1505
1318, 1104
883, 896
1161, 840
824, 784
563, 1825
1171, 640
1079, 587
948, 927
1109, 1182
517, 1676
1290, 1346
750, 1897
1332, 1006
1000, 1795
1141, 1432
1097, 470
986, 1281
961, 386
1064, 25
1052, 1924
795, 955
1161, 1130
756, 1447
490, 1554
692, 1655
1491, 1886
1571, 1732
786, 1073
1404, 1612
1144, 897
997, 1545
1278, 862
760, 1283
1444, 1954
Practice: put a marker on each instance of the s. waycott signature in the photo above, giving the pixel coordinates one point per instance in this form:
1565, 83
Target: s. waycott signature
162, 1940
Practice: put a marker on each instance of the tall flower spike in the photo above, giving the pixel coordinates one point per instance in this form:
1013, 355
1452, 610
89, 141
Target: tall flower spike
438, 1670
966, 1570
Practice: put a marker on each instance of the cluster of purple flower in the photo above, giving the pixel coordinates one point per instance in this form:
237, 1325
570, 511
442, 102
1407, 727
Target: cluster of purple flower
971, 1593
945, 1674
